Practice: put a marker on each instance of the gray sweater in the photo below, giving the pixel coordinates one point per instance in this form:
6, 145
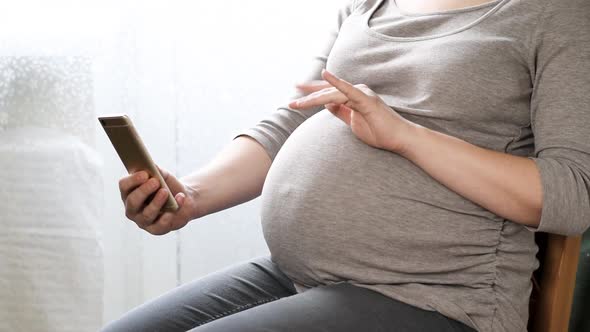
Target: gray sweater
510, 76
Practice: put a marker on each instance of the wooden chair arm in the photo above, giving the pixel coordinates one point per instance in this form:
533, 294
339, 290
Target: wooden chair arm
552, 308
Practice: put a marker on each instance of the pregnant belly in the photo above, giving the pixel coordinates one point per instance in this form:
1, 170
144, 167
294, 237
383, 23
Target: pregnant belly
336, 209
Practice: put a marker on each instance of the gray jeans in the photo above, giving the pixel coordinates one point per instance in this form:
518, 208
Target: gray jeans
258, 296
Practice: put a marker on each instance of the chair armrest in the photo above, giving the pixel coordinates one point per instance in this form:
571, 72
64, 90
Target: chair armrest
560, 263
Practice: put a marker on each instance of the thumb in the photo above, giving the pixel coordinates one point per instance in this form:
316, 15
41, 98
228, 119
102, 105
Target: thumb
172, 182
165, 174
180, 197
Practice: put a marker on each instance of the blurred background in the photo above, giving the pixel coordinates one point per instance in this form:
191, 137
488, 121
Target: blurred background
190, 74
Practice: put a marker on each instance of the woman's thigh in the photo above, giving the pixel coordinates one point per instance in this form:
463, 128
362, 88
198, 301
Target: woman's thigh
222, 293
338, 307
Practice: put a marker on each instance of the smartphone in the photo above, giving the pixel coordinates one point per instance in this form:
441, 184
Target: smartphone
132, 151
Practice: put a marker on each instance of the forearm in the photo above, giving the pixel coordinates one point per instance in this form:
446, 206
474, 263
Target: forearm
507, 185
234, 176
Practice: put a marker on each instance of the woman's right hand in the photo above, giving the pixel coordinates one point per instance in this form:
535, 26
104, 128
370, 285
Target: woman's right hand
138, 187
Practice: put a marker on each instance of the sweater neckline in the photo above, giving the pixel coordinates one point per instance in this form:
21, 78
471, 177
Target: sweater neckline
497, 4
444, 11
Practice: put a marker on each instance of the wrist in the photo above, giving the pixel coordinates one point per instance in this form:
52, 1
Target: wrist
194, 196
406, 138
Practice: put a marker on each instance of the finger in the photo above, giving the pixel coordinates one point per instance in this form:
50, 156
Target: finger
180, 197
151, 211
162, 225
136, 198
341, 111
129, 183
326, 96
353, 93
171, 181
312, 86
165, 222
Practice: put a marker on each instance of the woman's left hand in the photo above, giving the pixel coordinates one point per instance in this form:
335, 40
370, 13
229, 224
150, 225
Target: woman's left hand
370, 119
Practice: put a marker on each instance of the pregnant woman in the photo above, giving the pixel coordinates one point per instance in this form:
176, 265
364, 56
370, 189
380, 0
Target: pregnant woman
430, 141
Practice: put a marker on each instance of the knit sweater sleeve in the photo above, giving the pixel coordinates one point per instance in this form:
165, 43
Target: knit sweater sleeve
560, 115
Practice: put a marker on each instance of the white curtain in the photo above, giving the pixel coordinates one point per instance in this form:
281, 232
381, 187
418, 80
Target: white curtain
190, 74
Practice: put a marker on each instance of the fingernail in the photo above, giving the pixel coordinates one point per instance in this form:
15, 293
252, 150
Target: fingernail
180, 198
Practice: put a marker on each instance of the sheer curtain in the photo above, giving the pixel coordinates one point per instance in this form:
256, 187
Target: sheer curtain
190, 74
